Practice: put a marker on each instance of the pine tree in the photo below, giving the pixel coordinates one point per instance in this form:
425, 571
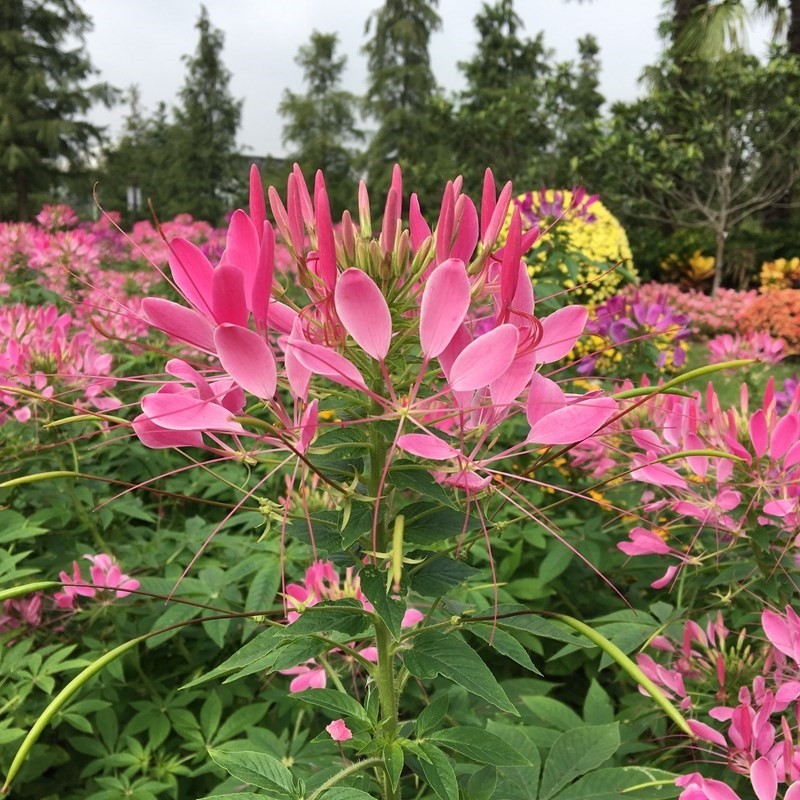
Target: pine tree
44, 94
503, 116
206, 167
403, 97
321, 123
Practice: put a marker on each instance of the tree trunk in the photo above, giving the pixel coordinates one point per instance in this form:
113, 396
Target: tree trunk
793, 34
719, 261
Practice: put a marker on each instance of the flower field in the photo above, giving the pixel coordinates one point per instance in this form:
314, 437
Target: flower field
411, 504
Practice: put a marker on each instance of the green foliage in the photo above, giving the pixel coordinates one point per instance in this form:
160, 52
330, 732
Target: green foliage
45, 95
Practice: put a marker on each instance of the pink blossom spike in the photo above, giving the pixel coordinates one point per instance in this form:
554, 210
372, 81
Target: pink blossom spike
764, 779
489, 238
420, 230
364, 312
329, 364
444, 227
242, 250
426, 445
179, 322
574, 422
509, 271
488, 201
192, 273
258, 208
445, 302
560, 331
397, 185
326, 245
306, 207
485, 360
248, 359
308, 426
339, 731
228, 295
281, 216
297, 236
262, 282
544, 398
364, 217
759, 434
466, 230
391, 216
784, 435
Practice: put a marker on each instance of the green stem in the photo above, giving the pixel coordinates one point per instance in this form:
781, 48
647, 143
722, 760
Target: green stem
346, 772
631, 668
387, 694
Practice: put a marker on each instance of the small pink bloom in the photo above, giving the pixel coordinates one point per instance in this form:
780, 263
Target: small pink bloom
339, 731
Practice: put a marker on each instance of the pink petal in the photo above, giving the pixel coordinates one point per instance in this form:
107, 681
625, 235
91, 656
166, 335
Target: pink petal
258, 209
182, 412
328, 363
260, 296
445, 302
707, 733
764, 779
784, 436
779, 508
778, 632
326, 246
308, 426
759, 435
242, 249
228, 295
793, 792
420, 230
544, 397
248, 359
644, 542
665, 578
573, 422
485, 360
411, 617
364, 312
513, 381
192, 273
179, 322
467, 233
157, 438
338, 731
560, 331
427, 445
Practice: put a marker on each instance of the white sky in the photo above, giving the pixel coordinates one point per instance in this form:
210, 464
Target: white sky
142, 41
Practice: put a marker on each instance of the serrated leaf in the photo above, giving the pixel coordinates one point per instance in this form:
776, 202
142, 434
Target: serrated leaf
345, 616
435, 653
439, 576
480, 745
439, 772
432, 714
335, 702
256, 769
575, 753
504, 643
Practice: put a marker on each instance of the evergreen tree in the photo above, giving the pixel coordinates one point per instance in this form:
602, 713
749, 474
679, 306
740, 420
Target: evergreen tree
44, 93
206, 168
413, 116
503, 116
321, 123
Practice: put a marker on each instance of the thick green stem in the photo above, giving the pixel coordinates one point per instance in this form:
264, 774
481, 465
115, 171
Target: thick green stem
387, 694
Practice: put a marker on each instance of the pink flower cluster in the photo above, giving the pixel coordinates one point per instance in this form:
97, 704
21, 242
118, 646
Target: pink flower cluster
421, 289
105, 576
756, 344
322, 582
46, 352
755, 744
708, 316
754, 482
21, 611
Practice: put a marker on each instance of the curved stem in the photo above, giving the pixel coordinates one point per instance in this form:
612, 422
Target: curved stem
346, 772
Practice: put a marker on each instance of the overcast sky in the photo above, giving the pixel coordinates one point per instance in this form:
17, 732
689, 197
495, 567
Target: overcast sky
142, 42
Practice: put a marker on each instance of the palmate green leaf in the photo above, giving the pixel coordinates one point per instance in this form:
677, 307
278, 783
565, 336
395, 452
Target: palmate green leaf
481, 746
391, 611
608, 784
257, 769
575, 753
435, 653
428, 523
359, 523
439, 772
335, 702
